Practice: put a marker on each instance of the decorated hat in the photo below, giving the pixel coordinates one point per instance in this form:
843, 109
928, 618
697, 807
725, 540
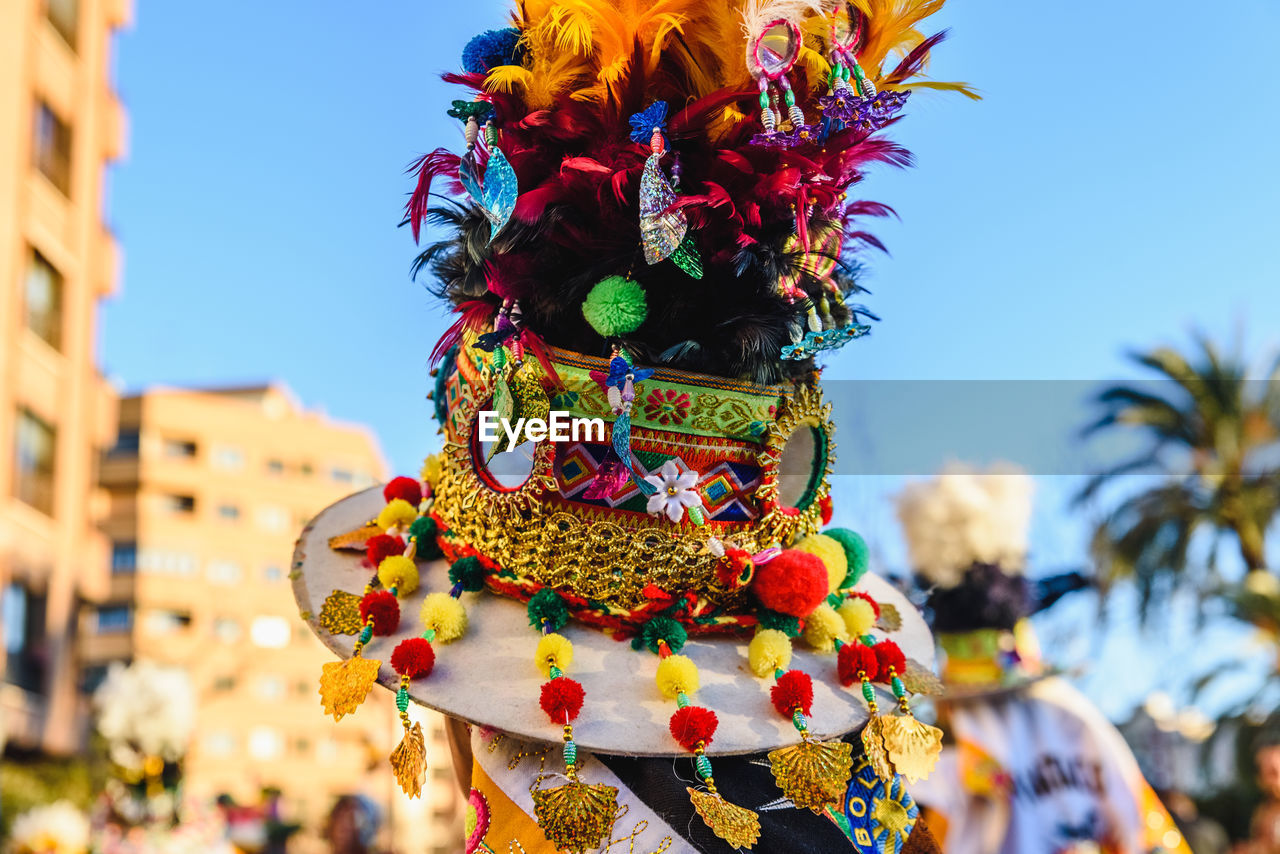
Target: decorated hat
966, 533
646, 243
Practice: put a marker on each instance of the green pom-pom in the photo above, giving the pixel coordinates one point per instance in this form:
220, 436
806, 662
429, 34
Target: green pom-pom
424, 531
469, 572
547, 605
661, 628
785, 623
615, 306
855, 549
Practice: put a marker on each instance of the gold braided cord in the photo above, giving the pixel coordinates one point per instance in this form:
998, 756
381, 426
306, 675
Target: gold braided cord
611, 556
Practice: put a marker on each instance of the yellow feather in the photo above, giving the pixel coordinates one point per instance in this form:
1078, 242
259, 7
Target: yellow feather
506, 78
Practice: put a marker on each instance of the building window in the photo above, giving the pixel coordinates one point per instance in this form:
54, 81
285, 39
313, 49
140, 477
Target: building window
269, 632
124, 557
228, 512
269, 687
340, 475
275, 467
224, 572
53, 148
180, 449
164, 562
127, 443
273, 574
166, 621
64, 15
183, 505
219, 742
228, 457
114, 618
303, 746
273, 518
92, 677
226, 629
33, 479
265, 742
42, 300
23, 630
306, 469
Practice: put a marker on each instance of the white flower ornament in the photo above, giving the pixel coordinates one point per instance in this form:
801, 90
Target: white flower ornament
675, 492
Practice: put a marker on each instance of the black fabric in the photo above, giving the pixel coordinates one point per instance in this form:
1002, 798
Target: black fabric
743, 780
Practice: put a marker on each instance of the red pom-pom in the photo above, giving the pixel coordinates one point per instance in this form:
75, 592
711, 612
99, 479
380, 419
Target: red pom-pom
794, 583
693, 724
380, 546
873, 603
854, 657
561, 699
889, 655
824, 507
794, 688
403, 487
384, 609
413, 657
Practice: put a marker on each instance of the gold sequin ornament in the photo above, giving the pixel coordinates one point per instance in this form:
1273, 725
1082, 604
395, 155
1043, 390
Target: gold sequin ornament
738, 826
921, 680
355, 539
813, 774
576, 816
340, 614
409, 761
345, 684
890, 620
913, 746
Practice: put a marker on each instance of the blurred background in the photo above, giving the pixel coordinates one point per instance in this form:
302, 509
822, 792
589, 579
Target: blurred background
208, 333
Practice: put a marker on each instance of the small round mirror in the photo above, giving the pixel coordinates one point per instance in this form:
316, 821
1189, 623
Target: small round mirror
846, 28
500, 466
777, 48
801, 466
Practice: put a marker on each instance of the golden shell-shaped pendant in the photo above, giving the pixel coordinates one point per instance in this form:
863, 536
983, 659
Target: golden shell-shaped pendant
409, 761
873, 746
913, 746
576, 816
813, 774
345, 684
738, 826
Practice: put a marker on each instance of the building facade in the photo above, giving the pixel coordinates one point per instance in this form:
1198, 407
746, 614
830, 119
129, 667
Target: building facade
62, 125
208, 491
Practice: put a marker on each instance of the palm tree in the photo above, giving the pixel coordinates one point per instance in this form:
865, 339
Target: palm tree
1212, 437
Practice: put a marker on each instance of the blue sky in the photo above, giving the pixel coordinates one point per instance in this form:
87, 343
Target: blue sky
1116, 187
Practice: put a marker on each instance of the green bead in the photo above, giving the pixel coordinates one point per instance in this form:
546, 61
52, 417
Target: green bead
703, 764
777, 673
366, 633
682, 699
556, 672
789, 98
859, 73
429, 634
402, 700
570, 753
798, 721
898, 688
764, 100
868, 694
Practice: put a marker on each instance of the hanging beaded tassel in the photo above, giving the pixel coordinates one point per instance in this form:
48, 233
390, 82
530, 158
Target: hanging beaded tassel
812, 774
693, 727
575, 816
894, 744
345, 684
619, 386
663, 231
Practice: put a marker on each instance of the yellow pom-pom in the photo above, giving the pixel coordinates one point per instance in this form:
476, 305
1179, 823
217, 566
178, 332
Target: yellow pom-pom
442, 612
556, 650
832, 555
397, 513
677, 674
432, 468
822, 627
399, 572
769, 650
859, 616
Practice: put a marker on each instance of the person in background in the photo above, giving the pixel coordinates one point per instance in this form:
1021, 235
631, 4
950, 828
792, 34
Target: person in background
1264, 831
1203, 834
352, 825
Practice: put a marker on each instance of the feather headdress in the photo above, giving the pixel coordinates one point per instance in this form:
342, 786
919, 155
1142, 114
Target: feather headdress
770, 228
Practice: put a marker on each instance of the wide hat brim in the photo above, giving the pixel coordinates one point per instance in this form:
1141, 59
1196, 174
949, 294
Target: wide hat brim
488, 676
